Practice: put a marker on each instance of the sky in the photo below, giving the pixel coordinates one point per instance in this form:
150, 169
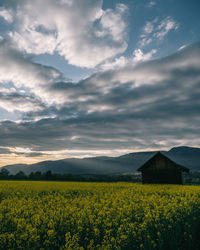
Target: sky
83, 78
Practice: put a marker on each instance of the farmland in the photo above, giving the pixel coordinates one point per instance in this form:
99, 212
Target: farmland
72, 215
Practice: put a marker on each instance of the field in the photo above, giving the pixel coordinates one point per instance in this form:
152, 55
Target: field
60, 215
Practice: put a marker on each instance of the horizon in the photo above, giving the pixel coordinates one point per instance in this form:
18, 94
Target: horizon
94, 156
97, 78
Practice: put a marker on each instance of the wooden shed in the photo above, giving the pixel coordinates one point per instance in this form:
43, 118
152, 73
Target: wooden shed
162, 170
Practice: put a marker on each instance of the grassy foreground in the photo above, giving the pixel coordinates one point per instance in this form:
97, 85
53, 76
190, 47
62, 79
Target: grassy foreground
58, 215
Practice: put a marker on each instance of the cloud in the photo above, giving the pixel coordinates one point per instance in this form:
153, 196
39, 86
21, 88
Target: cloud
138, 55
151, 4
13, 101
122, 61
7, 15
25, 152
19, 69
81, 31
4, 150
128, 104
149, 104
114, 63
164, 27
157, 30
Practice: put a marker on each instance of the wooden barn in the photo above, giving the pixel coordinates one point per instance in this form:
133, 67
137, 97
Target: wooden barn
162, 170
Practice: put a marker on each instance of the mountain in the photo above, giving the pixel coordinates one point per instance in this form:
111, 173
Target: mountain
129, 163
186, 156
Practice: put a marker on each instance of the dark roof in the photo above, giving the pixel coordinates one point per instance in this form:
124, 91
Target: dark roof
145, 165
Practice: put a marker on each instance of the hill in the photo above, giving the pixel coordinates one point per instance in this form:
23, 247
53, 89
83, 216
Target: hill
186, 156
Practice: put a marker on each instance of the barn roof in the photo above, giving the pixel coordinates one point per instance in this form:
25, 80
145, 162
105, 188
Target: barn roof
145, 165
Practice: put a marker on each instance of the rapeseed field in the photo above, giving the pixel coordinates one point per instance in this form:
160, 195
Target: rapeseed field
61, 215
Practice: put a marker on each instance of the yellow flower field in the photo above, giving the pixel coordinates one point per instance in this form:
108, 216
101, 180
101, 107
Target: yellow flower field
61, 215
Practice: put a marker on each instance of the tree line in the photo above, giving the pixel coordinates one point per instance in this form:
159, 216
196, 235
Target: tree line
48, 175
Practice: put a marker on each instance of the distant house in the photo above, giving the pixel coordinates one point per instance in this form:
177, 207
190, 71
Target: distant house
161, 169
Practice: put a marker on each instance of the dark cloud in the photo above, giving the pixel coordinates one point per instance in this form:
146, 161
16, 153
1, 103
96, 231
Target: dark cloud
4, 151
151, 104
29, 154
14, 101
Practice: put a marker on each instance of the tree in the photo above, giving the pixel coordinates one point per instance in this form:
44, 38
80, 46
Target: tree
48, 175
4, 173
35, 176
20, 175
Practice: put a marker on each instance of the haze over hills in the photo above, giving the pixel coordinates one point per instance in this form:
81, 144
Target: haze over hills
129, 163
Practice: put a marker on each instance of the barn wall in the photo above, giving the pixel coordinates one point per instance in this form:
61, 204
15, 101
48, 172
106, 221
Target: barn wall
159, 163
162, 176
162, 170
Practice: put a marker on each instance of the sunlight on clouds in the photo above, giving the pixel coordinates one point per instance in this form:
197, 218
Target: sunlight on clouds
80, 31
82, 153
15, 102
117, 63
22, 150
114, 64
111, 23
132, 100
14, 67
138, 55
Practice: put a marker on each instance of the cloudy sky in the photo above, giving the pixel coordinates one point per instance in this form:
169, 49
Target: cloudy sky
91, 77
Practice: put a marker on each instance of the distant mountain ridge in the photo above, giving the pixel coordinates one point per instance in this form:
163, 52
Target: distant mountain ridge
129, 163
